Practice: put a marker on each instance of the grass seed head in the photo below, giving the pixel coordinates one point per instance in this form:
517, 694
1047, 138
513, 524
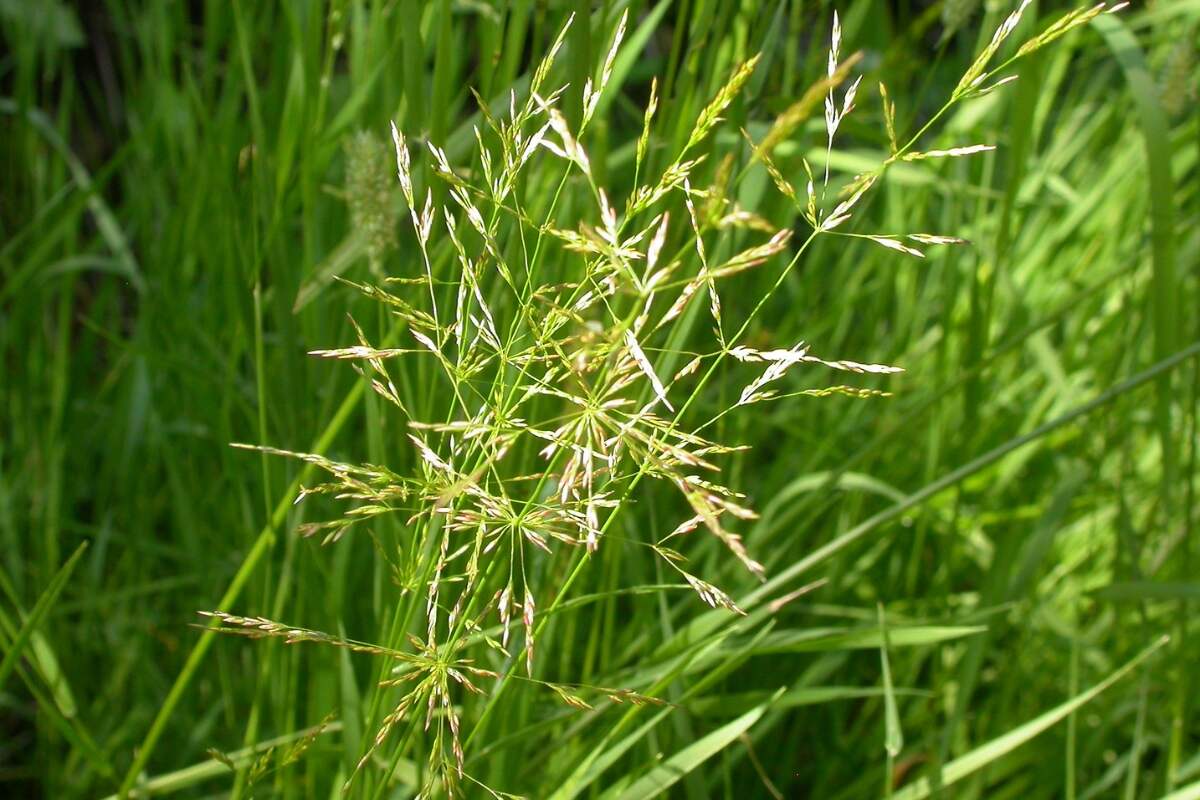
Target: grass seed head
369, 194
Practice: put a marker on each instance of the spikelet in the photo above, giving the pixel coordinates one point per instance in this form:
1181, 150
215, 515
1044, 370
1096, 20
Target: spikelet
644, 140
798, 113
976, 73
724, 96
889, 119
591, 94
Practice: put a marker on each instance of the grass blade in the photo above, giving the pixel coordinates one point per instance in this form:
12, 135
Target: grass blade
1149, 590
970, 468
816, 640
1164, 283
893, 741
981, 756
671, 771
42, 607
1189, 792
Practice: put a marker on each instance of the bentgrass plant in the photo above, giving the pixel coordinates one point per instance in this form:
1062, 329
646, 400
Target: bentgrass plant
537, 414
696, 406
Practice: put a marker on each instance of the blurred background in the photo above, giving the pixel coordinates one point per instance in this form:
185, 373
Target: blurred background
182, 182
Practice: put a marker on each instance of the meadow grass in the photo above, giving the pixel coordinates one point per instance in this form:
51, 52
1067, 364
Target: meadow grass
726, 423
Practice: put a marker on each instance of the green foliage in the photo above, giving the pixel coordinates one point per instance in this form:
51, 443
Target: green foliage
198, 196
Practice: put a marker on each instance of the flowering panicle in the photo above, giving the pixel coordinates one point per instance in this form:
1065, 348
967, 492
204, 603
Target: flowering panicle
549, 388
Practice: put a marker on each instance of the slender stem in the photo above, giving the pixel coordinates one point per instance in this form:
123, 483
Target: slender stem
261, 546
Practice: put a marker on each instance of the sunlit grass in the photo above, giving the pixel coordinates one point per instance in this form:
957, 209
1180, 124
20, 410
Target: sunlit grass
636, 351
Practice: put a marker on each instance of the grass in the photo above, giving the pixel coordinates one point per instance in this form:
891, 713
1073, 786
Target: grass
957, 575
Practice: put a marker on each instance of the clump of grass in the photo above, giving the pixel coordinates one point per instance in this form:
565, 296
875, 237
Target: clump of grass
544, 396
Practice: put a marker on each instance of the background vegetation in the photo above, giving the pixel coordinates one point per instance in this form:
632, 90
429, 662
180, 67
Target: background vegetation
182, 181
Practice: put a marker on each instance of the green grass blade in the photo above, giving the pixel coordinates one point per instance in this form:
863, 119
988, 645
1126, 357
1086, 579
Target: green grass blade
671, 771
975, 465
590, 768
39, 611
196, 774
1165, 286
1149, 590
260, 547
1189, 792
729, 703
984, 755
1139, 736
816, 640
894, 736
106, 221
629, 55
